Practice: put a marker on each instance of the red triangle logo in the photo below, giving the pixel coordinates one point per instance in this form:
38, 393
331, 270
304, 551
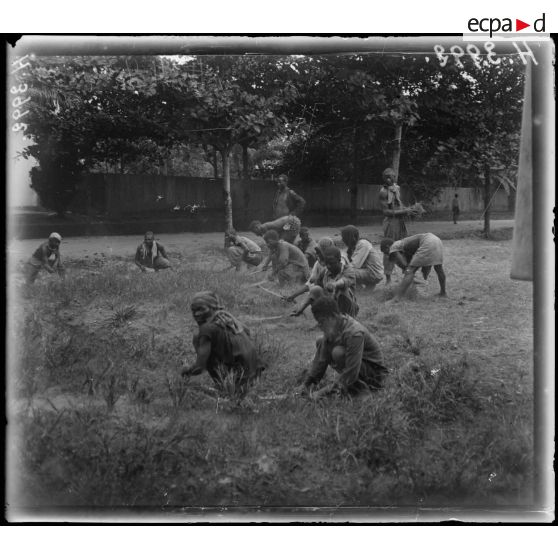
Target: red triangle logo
519, 25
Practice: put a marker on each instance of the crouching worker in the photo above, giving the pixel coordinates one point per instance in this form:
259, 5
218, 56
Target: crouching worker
46, 256
349, 348
151, 255
366, 260
420, 250
287, 227
307, 245
223, 345
288, 263
335, 280
317, 270
241, 250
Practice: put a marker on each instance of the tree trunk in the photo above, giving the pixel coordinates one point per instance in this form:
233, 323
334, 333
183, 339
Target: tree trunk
215, 165
396, 150
511, 200
354, 184
486, 230
245, 163
237, 163
227, 188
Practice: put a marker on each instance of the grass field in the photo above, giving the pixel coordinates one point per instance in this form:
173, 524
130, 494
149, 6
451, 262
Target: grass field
98, 416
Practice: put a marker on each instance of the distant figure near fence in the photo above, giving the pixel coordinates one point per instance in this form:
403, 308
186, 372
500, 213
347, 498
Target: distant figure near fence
47, 257
420, 250
151, 255
286, 201
455, 209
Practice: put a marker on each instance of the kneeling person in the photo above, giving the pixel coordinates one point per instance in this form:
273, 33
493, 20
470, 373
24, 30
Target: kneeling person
420, 250
240, 249
46, 256
151, 254
336, 280
307, 245
366, 261
223, 345
288, 263
349, 348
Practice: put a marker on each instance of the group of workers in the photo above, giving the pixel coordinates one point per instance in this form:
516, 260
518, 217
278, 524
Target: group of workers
329, 276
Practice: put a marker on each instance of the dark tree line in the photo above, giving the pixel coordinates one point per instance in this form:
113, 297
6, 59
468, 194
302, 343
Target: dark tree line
340, 118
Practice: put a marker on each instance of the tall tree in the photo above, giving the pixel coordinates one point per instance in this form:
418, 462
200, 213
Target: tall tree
199, 104
482, 107
84, 110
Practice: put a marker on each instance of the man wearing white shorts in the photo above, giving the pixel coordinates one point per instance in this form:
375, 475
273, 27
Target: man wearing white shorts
420, 250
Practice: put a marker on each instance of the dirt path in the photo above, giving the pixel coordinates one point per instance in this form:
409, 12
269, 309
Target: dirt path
122, 246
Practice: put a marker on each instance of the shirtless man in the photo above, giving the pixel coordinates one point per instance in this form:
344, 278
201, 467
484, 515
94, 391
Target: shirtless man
287, 262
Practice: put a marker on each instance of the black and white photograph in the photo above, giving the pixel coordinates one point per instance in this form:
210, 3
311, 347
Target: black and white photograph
279, 279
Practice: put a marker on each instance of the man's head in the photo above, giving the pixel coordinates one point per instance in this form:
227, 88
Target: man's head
327, 315
304, 233
324, 243
350, 235
149, 238
282, 181
385, 245
271, 238
256, 227
231, 234
389, 176
54, 240
204, 305
332, 259
456, 196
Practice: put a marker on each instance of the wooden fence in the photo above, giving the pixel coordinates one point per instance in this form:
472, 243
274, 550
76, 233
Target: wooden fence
121, 196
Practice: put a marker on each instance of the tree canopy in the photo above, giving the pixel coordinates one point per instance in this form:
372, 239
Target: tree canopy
341, 117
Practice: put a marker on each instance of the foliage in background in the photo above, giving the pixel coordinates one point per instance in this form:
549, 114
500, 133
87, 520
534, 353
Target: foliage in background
339, 118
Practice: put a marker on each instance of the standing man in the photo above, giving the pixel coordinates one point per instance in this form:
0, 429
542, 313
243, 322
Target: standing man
455, 208
46, 256
287, 207
286, 201
395, 214
151, 255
